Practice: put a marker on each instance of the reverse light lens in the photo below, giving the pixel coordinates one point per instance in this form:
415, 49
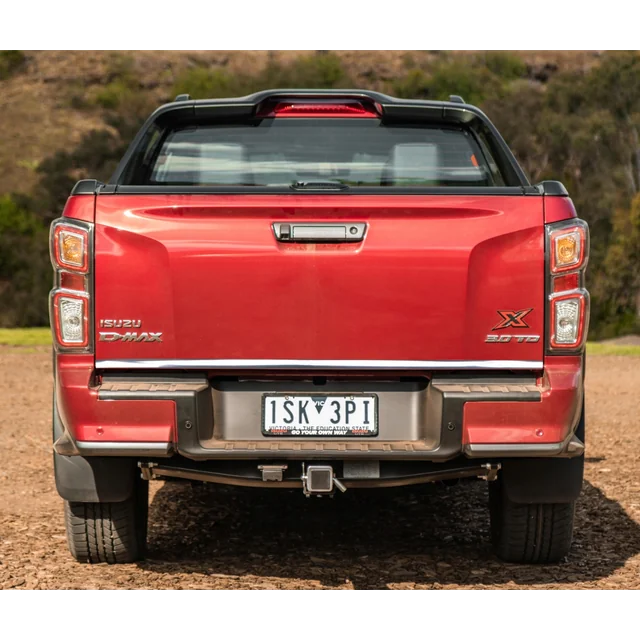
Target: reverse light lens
567, 250
71, 320
568, 320
71, 249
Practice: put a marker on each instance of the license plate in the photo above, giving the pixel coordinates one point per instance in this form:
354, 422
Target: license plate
319, 416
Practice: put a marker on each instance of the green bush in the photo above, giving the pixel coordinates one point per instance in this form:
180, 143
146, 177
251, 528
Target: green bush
202, 82
470, 78
473, 82
414, 85
617, 287
110, 96
122, 83
10, 63
316, 71
504, 64
25, 269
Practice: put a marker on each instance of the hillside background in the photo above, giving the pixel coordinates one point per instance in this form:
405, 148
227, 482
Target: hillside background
570, 116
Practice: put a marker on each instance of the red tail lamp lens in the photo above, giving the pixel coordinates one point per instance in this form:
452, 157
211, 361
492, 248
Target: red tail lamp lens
319, 109
565, 283
74, 281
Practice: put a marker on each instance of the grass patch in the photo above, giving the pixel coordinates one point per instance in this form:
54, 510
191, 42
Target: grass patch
32, 337
599, 349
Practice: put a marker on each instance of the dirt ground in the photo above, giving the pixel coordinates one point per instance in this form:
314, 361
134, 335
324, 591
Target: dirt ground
203, 536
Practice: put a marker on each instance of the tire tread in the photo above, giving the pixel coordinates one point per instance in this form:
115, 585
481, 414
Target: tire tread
530, 533
112, 532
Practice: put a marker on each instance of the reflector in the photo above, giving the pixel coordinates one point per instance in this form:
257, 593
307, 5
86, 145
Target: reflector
566, 282
75, 281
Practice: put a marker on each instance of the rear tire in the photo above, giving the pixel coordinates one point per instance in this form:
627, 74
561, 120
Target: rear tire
113, 532
529, 533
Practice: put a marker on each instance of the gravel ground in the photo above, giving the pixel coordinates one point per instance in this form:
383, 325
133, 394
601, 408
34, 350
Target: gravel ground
204, 536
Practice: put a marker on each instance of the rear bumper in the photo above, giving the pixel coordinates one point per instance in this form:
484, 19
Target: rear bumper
483, 416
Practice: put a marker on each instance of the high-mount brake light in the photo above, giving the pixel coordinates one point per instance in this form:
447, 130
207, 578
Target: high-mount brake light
306, 109
568, 300
71, 300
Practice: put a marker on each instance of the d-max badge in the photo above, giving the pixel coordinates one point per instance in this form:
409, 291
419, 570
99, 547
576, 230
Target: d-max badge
128, 336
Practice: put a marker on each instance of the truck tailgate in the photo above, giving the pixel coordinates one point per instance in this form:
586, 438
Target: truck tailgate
426, 283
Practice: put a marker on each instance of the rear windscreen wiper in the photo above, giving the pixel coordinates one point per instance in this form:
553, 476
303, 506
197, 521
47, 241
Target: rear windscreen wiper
319, 186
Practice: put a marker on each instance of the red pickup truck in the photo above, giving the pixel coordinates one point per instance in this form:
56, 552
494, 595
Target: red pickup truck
328, 290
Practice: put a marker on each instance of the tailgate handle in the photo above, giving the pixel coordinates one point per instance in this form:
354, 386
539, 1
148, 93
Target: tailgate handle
319, 232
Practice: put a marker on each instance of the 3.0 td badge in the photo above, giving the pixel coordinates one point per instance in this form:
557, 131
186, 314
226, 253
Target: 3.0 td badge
513, 320
128, 336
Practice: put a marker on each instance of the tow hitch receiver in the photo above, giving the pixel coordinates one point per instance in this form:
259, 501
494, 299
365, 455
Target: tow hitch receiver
319, 480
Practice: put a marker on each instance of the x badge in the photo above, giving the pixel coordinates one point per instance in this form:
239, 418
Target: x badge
512, 319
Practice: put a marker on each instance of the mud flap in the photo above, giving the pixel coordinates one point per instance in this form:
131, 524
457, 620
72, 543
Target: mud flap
545, 480
92, 479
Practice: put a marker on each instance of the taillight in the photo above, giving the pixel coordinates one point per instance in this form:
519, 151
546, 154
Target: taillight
568, 300
70, 303
318, 109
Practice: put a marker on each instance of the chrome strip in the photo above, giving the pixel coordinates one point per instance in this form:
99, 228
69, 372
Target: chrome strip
427, 365
559, 449
123, 448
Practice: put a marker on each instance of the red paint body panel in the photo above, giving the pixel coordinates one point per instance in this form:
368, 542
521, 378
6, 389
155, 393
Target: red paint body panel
88, 419
558, 208
424, 284
550, 420
80, 207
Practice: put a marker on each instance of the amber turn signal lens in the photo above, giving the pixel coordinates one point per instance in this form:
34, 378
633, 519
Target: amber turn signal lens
567, 250
71, 249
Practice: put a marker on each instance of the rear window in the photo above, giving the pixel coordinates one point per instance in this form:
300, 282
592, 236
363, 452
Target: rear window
280, 152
